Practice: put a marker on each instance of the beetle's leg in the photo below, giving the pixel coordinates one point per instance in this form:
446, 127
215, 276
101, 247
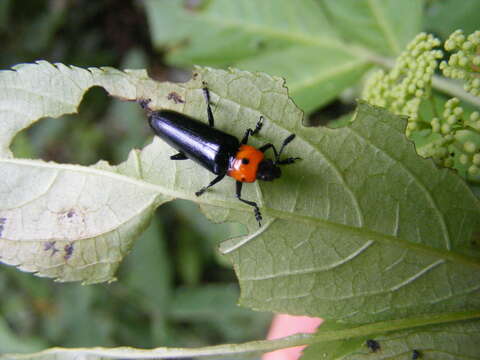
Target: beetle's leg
213, 182
269, 146
256, 210
288, 161
286, 142
249, 131
179, 156
206, 94
279, 153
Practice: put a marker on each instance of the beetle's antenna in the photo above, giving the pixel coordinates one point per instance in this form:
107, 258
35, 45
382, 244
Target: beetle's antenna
285, 143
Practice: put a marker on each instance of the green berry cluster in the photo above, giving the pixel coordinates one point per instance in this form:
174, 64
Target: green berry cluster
464, 63
457, 139
452, 137
409, 82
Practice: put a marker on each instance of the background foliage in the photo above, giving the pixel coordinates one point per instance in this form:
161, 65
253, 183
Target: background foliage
173, 281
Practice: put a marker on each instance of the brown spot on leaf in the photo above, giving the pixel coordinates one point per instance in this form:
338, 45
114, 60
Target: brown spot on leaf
2, 223
68, 251
175, 97
50, 246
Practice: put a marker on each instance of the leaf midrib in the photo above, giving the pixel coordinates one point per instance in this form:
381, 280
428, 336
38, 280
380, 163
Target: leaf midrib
377, 12
294, 37
284, 215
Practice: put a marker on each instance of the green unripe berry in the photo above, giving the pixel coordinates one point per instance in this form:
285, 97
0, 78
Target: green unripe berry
463, 158
458, 111
453, 60
476, 159
452, 119
412, 125
446, 128
450, 45
474, 170
448, 162
470, 147
467, 45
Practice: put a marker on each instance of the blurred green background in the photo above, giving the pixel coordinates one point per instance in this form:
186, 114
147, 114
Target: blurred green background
173, 289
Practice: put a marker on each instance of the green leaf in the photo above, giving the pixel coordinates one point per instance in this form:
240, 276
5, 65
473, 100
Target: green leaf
383, 26
10, 342
444, 17
353, 338
215, 305
361, 230
445, 341
362, 199
148, 272
320, 47
76, 223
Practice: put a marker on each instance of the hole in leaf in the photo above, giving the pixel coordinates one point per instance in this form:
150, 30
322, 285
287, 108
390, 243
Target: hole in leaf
104, 128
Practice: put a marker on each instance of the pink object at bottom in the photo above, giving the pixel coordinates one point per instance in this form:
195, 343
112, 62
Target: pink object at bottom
285, 325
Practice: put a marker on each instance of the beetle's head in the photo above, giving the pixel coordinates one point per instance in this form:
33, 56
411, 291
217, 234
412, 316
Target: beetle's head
268, 170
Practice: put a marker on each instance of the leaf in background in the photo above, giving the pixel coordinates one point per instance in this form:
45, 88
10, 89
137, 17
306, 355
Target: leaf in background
148, 275
383, 26
149, 269
301, 41
445, 341
366, 230
122, 118
77, 320
209, 236
10, 342
444, 17
4, 13
215, 305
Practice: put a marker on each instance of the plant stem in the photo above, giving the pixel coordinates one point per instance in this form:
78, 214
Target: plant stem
453, 88
254, 346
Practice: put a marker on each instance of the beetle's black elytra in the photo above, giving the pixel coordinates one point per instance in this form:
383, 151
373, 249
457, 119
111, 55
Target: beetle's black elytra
220, 153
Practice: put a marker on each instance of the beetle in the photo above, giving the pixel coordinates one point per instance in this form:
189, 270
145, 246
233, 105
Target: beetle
219, 152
